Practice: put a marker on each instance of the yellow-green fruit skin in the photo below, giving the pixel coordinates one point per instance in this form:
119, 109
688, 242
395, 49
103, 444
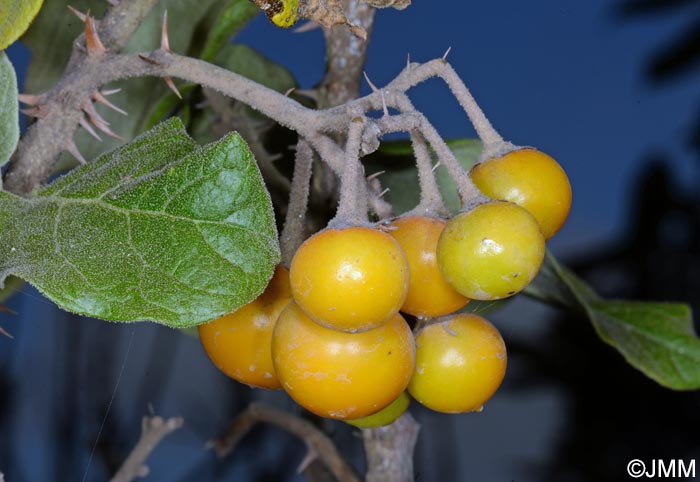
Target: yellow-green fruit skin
385, 416
460, 363
429, 294
531, 179
492, 251
351, 279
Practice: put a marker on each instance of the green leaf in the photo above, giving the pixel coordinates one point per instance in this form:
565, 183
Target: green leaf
159, 229
401, 176
656, 338
15, 17
9, 115
230, 19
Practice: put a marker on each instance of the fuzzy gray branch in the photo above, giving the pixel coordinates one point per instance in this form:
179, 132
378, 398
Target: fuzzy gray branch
153, 430
39, 147
318, 444
63, 107
389, 450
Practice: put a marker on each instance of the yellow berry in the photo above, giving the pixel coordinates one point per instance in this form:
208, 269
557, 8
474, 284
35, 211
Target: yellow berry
460, 363
351, 279
492, 251
531, 179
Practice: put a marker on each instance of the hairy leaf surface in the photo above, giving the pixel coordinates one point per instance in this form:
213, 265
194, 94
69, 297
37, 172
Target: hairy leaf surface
159, 229
15, 17
9, 115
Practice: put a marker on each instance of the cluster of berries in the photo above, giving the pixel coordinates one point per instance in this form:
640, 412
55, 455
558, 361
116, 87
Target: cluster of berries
329, 330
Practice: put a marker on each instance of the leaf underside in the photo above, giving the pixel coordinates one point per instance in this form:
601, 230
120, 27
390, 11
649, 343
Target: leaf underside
159, 229
656, 338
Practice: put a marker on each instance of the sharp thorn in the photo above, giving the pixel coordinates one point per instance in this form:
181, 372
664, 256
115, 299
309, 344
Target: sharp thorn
164, 42
3, 332
103, 100
437, 164
308, 458
306, 27
7, 310
38, 111
77, 13
92, 39
30, 99
93, 115
148, 59
70, 146
408, 61
371, 84
381, 194
384, 107
374, 176
289, 91
447, 52
109, 132
109, 92
86, 125
172, 87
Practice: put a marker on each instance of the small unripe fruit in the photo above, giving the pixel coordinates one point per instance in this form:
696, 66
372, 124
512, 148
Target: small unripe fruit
492, 251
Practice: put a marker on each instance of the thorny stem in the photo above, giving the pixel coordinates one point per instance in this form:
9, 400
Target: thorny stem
46, 138
431, 203
318, 444
293, 233
39, 147
153, 430
352, 208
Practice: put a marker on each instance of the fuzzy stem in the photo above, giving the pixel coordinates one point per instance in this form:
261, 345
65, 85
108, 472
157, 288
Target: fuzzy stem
293, 232
390, 450
431, 203
352, 208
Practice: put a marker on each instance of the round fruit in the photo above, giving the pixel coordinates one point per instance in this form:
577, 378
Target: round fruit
492, 251
386, 415
351, 279
342, 375
429, 294
531, 179
239, 343
460, 363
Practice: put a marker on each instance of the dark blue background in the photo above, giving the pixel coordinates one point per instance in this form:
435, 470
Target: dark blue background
566, 76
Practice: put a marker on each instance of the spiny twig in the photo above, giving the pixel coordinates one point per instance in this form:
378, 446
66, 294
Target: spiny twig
317, 443
153, 430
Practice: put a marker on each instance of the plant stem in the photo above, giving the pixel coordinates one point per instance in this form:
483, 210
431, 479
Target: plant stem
293, 232
153, 430
390, 450
352, 208
318, 444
